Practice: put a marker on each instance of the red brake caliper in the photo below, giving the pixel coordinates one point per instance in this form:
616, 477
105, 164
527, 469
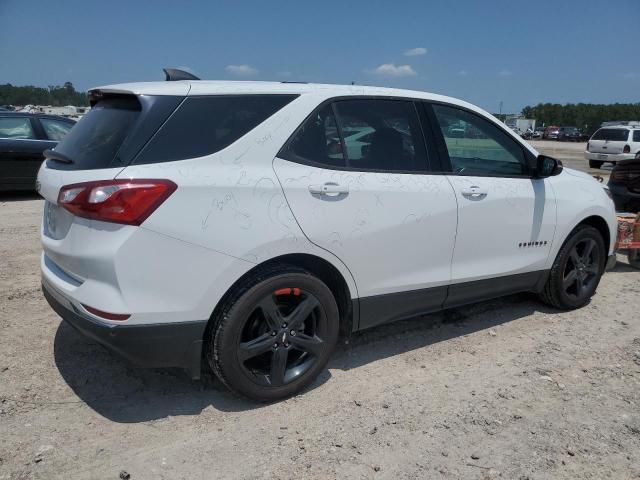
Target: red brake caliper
287, 291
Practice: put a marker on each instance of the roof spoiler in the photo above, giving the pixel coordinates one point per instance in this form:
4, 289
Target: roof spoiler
173, 74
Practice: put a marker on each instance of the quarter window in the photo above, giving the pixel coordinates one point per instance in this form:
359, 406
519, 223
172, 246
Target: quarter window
478, 147
205, 125
17, 127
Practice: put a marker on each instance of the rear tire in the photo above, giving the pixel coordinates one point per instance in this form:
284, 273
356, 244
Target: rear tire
274, 334
634, 258
595, 164
577, 270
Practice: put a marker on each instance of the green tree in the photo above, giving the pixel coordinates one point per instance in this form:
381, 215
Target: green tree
587, 116
53, 95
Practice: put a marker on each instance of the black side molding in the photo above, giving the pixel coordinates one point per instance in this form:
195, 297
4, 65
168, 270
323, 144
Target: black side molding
173, 74
379, 309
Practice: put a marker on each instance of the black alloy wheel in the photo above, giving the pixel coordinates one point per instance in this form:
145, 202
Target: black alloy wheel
576, 270
582, 269
273, 334
283, 337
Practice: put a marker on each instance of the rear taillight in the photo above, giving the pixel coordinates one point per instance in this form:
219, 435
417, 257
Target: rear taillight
618, 175
626, 149
625, 174
119, 201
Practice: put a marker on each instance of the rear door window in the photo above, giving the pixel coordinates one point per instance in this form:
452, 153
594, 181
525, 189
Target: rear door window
205, 125
95, 140
16, 128
55, 129
382, 135
611, 134
317, 141
636, 135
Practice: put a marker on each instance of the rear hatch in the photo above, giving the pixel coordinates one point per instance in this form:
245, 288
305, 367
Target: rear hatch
97, 148
609, 140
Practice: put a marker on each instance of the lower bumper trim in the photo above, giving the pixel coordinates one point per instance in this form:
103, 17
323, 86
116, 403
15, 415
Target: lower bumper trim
149, 345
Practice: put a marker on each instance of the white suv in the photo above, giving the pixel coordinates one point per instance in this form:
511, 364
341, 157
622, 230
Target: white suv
612, 144
241, 226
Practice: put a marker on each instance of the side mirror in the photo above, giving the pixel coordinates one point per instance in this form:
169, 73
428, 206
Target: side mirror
547, 166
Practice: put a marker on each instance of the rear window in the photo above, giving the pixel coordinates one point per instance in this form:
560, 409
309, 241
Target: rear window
95, 140
205, 125
611, 134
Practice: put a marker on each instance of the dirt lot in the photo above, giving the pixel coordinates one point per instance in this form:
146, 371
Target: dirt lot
504, 389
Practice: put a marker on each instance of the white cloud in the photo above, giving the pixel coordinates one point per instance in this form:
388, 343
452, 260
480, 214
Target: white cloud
243, 70
463, 73
392, 70
505, 73
414, 52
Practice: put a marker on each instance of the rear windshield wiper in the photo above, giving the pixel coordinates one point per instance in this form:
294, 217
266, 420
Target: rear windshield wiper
57, 156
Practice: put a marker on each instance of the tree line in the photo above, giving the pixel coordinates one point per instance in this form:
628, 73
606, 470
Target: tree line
586, 116
54, 95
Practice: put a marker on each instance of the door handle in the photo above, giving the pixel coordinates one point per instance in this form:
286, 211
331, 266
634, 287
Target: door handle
474, 192
329, 189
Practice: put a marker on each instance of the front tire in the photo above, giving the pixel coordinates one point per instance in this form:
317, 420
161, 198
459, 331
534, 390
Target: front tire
274, 335
595, 164
577, 270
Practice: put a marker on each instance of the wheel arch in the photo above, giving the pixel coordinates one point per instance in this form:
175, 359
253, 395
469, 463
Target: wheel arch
600, 224
317, 266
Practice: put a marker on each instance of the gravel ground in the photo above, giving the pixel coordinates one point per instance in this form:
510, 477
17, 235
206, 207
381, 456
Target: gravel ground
503, 389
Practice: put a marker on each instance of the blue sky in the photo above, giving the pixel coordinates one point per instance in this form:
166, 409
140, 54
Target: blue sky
485, 51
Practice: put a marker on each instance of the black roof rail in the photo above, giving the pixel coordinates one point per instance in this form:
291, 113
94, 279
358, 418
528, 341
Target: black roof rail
292, 81
173, 74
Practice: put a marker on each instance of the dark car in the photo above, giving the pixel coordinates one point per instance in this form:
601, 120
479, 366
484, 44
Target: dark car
570, 134
23, 138
624, 184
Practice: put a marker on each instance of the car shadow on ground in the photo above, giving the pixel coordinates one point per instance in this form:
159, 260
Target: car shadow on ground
125, 394
19, 196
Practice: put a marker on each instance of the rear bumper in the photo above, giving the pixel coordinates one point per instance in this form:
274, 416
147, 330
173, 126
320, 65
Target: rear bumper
610, 157
147, 345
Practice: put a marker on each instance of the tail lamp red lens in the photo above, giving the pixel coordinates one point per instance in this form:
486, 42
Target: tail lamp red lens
626, 149
625, 175
129, 202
